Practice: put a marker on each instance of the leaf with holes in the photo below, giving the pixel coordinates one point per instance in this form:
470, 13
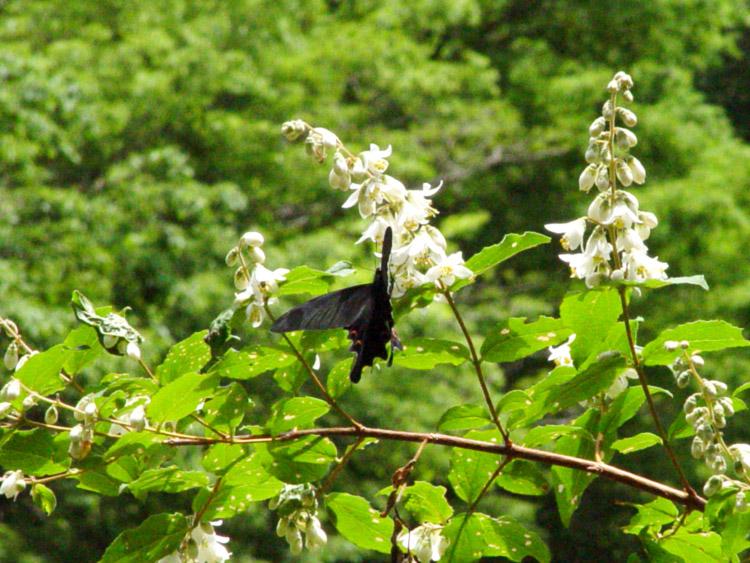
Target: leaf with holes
514, 338
426, 353
358, 522
190, 355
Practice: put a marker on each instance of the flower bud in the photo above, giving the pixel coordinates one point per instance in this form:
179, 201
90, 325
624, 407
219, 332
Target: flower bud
252, 238
740, 502
684, 344
602, 179
719, 464
109, 341
587, 178
28, 402
10, 359
89, 413
281, 527
241, 279
705, 432
628, 117
294, 129
5, 408
719, 420
709, 388
719, 386
697, 416
726, 402
638, 170
597, 127
627, 95
625, 138
50, 416
11, 390
592, 154
697, 448
697, 360
138, 418
607, 110
683, 379
339, 181
613, 87
671, 345
257, 255
691, 403
315, 535
713, 485
624, 174
294, 537
232, 257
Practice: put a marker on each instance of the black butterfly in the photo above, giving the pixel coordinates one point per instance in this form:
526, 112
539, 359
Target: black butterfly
364, 310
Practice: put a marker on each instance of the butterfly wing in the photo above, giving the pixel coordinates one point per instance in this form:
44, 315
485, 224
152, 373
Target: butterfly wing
339, 309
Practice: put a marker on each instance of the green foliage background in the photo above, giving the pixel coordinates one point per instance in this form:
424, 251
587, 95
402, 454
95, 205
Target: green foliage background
138, 140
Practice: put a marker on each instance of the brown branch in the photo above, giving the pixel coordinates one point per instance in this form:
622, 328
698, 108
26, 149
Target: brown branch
512, 450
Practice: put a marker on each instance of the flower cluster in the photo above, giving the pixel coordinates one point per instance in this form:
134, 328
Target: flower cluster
12, 484
425, 542
297, 506
707, 412
615, 248
419, 254
255, 283
204, 546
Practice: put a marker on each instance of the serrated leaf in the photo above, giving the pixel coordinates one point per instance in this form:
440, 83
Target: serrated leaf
426, 353
358, 522
515, 338
464, 417
41, 372
44, 498
158, 536
227, 408
190, 355
491, 256
296, 413
590, 314
33, 452
303, 279
298, 461
470, 470
427, 503
338, 381
167, 480
180, 397
84, 348
703, 336
635, 443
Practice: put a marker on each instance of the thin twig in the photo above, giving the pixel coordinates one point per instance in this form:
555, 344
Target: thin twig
477, 362
340, 466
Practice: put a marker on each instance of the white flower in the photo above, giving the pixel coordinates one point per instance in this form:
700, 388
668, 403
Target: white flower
620, 384
340, 177
374, 191
294, 129
637, 169
13, 484
405, 279
425, 542
173, 557
265, 282
255, 314
133, 351
572, 233
138, 418
417, 208
426, 249
318, 141
640, 267
376, 230
646, 222
560, 355
741, 454
10, 359
210, 545
445, 272
374, 160
315, 535
629, 239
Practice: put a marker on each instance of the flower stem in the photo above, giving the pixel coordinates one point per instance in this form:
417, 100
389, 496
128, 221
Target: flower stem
477, 362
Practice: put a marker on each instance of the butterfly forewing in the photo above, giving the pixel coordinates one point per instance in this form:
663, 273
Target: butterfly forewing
332, 310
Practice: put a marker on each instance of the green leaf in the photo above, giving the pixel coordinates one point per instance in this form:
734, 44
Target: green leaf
358, 522
44, 498
596, 379
654, 515
303, 279
32, 451
703, 336
290, 378
590, 314
180, 397
426, 353
547, 434
266, 358
696, 547
514, 338
480, 536
698, 280
234, 365
41, 372
158, 536
464, 417
491, 256
470, 470
84, 348
296, 413
635, 443
190, 355
134, 443
167, 480
525, 407
338, 381
298, 461
427, 503
220, 456
523, 478
227, 408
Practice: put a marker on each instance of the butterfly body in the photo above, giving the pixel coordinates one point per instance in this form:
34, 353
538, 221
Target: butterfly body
364, 310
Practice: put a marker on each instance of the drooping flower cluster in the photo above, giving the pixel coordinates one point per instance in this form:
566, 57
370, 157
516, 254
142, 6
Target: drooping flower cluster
707, 412
297, 506
615, 248
425, 542
255, 283
419, 253
204, 546
12, 484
